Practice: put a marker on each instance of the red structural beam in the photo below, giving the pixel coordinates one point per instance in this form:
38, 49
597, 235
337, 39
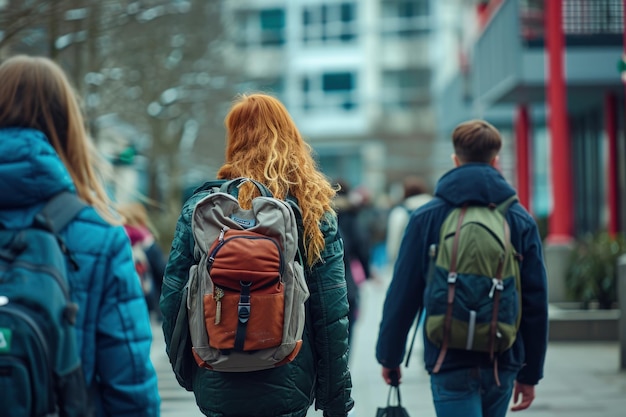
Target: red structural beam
522, 155
560, 222
610, 127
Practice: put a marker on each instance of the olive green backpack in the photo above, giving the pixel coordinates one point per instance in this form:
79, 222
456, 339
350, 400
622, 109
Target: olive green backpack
473, 295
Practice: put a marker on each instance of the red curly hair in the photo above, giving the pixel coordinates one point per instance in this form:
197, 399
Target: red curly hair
263, 143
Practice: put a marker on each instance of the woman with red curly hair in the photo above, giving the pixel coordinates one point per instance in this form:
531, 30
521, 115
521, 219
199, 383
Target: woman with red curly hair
264, 144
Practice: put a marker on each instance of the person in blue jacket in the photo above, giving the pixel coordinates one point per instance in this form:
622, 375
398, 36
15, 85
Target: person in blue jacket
44, 149
465, 385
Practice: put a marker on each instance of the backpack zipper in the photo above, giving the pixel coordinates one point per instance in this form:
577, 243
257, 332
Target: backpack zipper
219, 293
223, 241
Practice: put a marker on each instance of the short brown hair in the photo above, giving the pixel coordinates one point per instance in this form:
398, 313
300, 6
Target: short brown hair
476, 141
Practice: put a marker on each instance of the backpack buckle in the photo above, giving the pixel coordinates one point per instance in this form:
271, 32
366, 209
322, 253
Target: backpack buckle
496, 284
452, 277
243, 308
243, 312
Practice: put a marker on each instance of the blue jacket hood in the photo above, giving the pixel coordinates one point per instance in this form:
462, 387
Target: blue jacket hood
30, 169
473, 183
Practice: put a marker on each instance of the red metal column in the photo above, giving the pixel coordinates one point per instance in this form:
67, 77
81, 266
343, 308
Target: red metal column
522, 155
610, 127
560, 223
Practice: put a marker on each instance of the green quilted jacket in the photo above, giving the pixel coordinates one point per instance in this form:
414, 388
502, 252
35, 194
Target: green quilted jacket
318, 374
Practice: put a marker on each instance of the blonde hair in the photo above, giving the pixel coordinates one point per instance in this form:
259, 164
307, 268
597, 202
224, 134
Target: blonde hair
263, 143
35, 93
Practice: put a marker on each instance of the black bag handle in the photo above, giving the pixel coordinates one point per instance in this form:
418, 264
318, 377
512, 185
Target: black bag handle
395, 388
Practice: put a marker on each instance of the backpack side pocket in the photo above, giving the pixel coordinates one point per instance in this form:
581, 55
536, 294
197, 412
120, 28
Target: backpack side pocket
180, 353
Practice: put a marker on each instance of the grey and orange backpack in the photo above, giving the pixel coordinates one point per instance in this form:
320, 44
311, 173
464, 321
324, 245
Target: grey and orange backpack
246, 294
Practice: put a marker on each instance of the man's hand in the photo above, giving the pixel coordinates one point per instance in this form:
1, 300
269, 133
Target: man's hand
392, 376
523, 396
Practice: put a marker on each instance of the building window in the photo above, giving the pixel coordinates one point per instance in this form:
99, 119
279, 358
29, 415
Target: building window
339, 81
272, 26
405, 18
261, 28
405, 89
327, 23
330, 91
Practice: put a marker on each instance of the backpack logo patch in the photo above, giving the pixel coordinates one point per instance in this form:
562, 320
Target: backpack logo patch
5, 340
246, 223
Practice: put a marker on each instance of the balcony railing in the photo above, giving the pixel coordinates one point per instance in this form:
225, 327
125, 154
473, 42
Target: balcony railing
585, 22
508, 59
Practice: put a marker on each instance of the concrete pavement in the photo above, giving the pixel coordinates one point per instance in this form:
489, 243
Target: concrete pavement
581, 379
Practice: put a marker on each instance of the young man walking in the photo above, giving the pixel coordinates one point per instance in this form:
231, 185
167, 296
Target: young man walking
466, 381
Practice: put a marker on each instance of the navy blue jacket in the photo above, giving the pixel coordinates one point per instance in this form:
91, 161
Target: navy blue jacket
478, 184
112, 326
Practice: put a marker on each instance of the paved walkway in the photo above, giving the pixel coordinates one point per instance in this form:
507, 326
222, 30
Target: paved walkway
581, 379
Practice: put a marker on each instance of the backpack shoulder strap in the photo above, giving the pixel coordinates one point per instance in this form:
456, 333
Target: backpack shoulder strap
293, 202
59, 211
506, 204
209, 185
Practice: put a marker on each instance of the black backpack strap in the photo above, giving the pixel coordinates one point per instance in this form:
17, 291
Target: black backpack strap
59, 211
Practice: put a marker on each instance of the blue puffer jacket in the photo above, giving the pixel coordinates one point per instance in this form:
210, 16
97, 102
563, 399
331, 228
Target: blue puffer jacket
113, 326
468, 184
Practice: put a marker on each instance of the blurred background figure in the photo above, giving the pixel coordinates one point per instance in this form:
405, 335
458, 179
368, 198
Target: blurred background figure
416, 194
147, 254
348, 205
372, 218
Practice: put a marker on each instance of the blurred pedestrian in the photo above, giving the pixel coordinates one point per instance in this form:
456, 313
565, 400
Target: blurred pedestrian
415, 195
44, 149
147, 254
264, 144
347, 204
373, 214
477, 380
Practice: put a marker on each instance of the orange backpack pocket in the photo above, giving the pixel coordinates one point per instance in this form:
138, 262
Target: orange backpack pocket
245, 311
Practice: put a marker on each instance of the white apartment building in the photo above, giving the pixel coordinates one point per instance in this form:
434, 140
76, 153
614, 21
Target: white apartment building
355, 75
